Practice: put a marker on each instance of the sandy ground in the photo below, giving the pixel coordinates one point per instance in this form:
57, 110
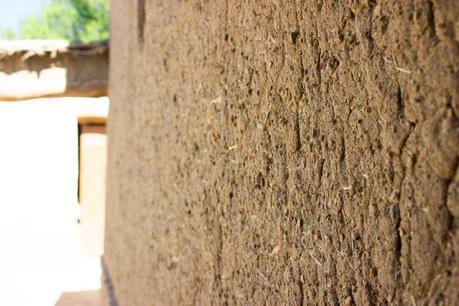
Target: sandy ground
41, 261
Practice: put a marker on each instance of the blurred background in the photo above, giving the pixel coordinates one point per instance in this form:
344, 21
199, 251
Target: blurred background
53, 112
71, 20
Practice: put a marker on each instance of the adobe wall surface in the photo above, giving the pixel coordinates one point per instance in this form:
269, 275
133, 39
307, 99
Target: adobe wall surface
273, 153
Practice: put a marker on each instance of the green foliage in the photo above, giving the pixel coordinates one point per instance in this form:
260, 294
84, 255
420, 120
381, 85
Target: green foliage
73, 20
7, 33
91, 22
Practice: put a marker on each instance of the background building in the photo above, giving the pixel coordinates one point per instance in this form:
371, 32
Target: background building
52, 172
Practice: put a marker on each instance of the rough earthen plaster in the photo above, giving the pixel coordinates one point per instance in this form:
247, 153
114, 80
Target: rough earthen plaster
284, 153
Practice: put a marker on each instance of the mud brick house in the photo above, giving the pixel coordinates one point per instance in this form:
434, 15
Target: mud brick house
52, 163
283, 153
54, 83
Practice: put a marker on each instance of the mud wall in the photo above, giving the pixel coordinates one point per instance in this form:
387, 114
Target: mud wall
48, 68
283, 152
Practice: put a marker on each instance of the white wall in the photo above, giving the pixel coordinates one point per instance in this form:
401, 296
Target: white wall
39, 234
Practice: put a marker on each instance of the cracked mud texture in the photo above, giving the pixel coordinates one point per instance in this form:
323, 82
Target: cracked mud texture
284, 153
